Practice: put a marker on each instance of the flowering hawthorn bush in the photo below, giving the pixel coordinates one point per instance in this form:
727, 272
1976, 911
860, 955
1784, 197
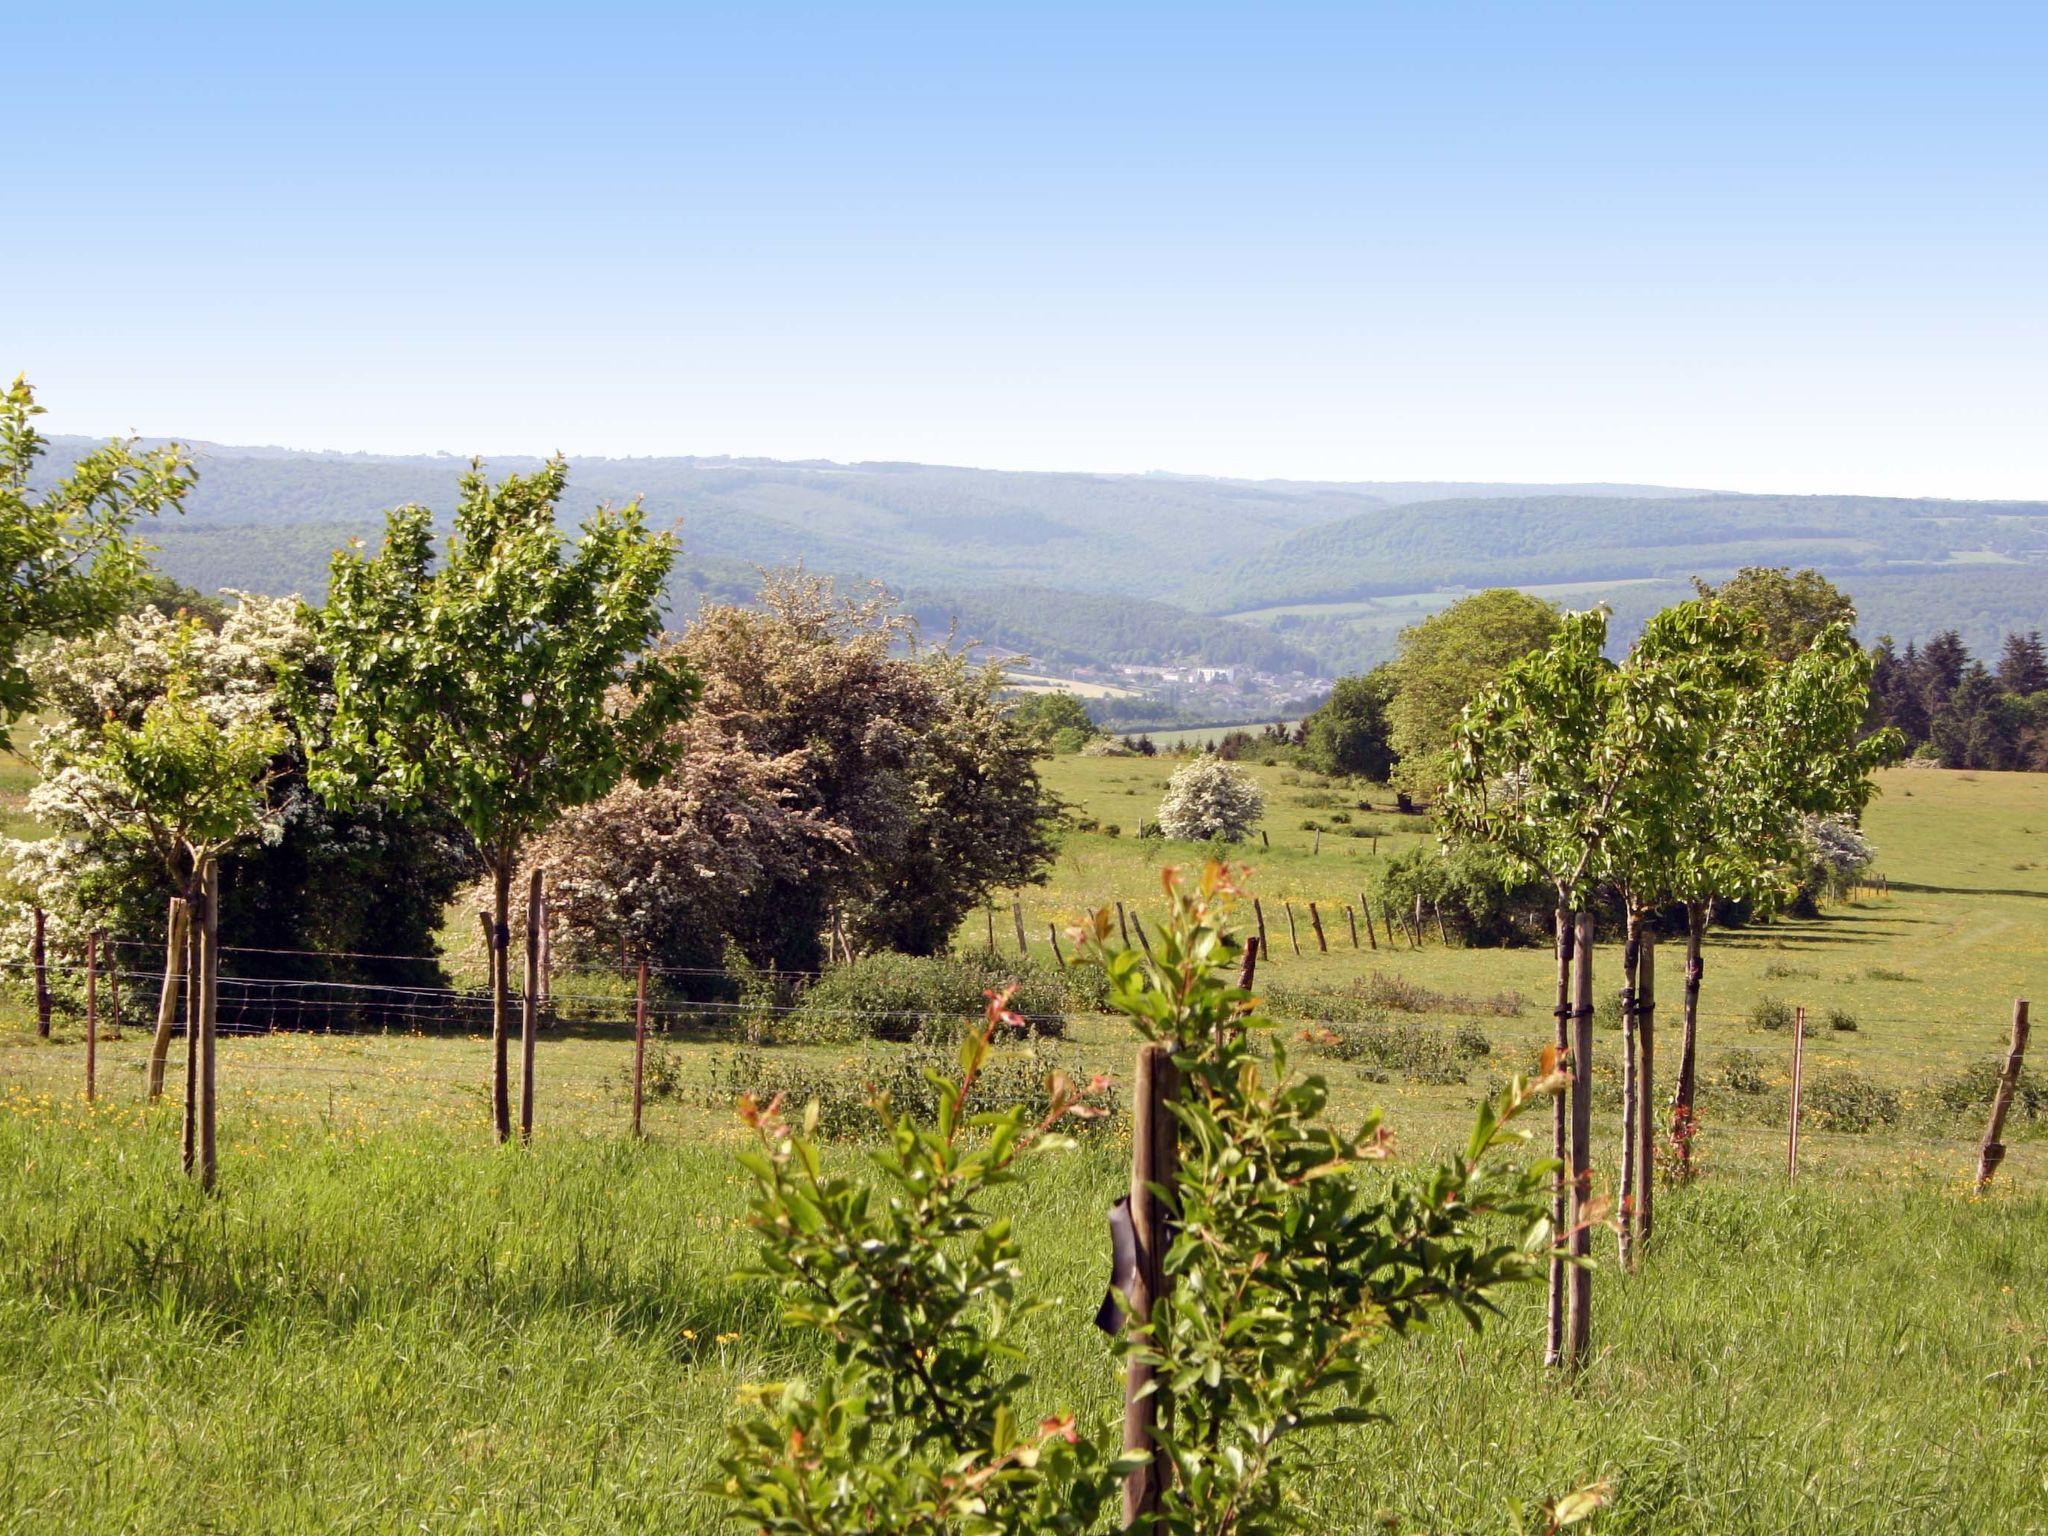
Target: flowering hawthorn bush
1210, 799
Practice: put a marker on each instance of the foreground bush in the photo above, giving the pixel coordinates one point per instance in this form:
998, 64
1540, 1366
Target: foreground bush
1289, 1264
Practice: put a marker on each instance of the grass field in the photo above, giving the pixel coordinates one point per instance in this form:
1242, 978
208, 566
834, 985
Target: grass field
383, 1323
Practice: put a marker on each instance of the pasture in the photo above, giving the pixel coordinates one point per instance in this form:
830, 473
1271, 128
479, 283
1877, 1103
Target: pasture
384, 1323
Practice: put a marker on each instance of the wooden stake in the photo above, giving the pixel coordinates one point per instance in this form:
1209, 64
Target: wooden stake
114, 989
1154, 1164
1798, 1080
1053, 932
1579, 1287
529, 1006
639, 1045
1259, 912
1371, 937
92, 1016
1646, 1086
1139, 929
208, 1002
1630, 954
1319, 843
1442, 933
1993, 1151
40, 960
1250, 968
1553, 1335
195, 964
1293, 936
1351, 917
991, 930
1315, 922
1017, 912
1123, 927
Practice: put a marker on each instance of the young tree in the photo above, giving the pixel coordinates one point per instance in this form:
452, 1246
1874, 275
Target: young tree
1055, 722
1350, 733
504, 685
67, 562
183, 785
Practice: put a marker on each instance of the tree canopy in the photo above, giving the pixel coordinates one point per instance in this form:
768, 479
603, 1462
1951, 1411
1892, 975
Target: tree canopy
1446, 662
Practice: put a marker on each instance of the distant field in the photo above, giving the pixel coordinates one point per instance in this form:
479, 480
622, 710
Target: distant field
1029, 682
1410, 606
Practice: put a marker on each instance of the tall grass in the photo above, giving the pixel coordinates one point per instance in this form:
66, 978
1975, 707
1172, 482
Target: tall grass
399, 1331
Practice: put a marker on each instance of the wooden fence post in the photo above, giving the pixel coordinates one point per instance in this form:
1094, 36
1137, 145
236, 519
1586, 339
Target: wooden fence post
1315, 922
1293, 934
40, 959
1154, 1162
1365, 906
1798, 1077
1052, 931
1646, 1085
1443, 934
1249, 970
639, 1044
1139, 929
1579, 1286
547, 949
1318, 848
114, 988
1260, 913
1351, 917
991, 911
92, 1016
1017, 912
1993, 1151
529, 1006
208, 1004
1122, 926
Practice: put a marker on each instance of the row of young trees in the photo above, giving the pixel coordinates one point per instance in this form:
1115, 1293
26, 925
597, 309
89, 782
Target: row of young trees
505, 706
1689, 773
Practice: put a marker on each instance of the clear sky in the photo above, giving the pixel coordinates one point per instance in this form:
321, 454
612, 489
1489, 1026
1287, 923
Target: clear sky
1783, 246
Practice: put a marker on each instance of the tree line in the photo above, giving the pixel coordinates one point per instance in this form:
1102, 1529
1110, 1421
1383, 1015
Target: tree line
1953, 709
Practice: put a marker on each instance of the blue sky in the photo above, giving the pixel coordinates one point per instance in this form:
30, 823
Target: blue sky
1790, 246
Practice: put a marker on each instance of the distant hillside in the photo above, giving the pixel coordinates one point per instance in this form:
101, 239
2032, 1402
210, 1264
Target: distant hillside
1079, 569
1554, 539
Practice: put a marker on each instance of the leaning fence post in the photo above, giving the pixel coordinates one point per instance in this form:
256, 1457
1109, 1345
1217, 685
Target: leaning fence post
1798, 1075
1293, 935
1017, 912
1052, 931
1258, 911
1154, 1163
1123, 927
1993, 1151
1351, 917
639, 1043
40, 960
1371, 937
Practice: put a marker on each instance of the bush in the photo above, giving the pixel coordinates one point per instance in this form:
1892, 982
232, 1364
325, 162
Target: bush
1776, 1015
1745, 1072
1843, 1099
1416, 1053
1210, 799
1970, 1090
1476, 890
1841, 1020
888, 996
1014, 1076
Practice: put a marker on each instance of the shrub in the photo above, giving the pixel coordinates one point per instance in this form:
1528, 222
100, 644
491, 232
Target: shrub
1210, 799
888, 996
1775, 1014
1014, 1077
1417, 1053
1840, 1020
1970, 1091
1745, 1072
1843, 1099
1476, 889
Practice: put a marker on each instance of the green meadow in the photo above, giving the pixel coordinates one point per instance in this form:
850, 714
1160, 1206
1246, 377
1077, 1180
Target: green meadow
383, 1323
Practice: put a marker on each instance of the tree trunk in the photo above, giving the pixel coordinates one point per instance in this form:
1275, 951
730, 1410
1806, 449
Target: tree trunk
1684, 1089
1646, 1087
1553, 1344
501, 985
167, 1000
1579, 1296
195, 965
1631, 951
529, 1006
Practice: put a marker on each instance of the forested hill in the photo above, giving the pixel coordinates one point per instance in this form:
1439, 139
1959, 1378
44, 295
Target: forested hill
1045, 563
909, 524
1528, 540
